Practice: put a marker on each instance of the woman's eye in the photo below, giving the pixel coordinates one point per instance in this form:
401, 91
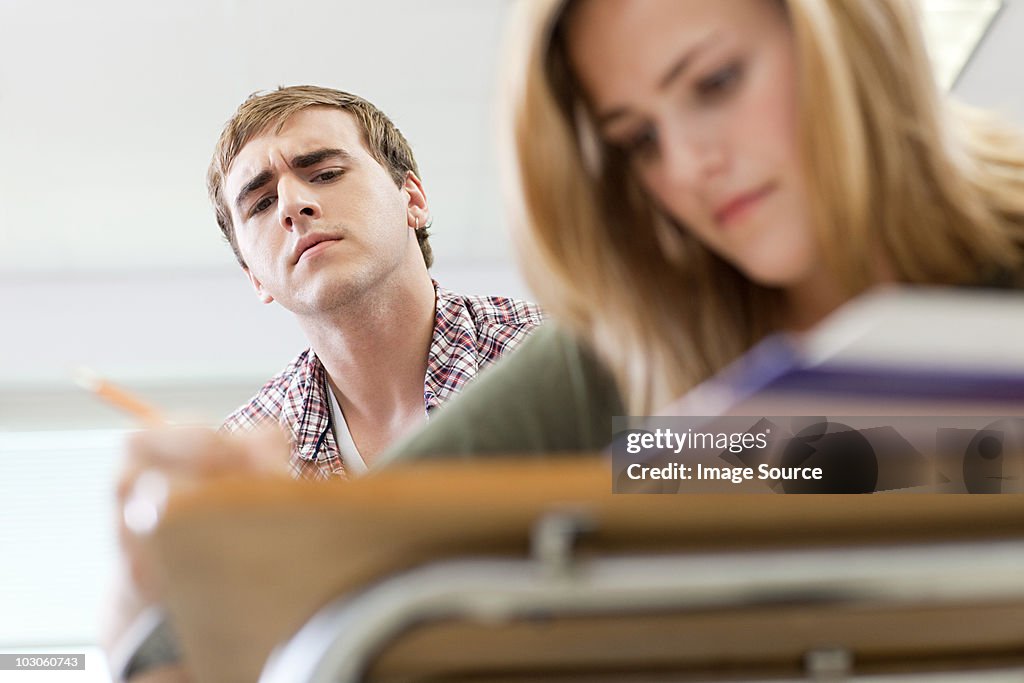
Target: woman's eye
720, 81
642, 144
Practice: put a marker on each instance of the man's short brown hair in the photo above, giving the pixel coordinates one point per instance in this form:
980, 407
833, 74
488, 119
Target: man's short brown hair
260, 111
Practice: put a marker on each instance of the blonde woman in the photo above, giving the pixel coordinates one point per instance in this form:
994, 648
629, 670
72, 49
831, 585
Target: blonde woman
695, 175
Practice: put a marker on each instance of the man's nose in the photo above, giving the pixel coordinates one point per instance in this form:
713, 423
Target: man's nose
297, 206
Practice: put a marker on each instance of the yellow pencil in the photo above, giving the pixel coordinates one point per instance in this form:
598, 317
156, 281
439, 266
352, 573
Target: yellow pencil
119, 398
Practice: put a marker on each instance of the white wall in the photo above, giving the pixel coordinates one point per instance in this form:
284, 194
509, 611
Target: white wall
109, 111
992, 78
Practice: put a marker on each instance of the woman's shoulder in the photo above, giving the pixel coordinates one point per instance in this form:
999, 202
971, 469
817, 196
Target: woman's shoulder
549, 395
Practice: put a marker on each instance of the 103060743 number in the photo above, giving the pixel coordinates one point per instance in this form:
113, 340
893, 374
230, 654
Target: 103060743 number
41, 662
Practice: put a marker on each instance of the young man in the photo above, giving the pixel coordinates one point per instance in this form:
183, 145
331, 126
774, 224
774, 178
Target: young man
318, 195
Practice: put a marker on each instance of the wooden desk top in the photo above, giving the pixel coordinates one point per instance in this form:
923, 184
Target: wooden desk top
246, 562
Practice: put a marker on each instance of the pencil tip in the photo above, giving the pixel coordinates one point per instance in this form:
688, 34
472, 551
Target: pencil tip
86, 378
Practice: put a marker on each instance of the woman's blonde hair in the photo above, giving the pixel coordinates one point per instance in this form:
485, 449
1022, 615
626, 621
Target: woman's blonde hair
896, 174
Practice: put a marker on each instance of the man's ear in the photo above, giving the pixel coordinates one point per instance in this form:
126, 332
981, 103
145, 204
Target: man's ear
263, 295
417, 211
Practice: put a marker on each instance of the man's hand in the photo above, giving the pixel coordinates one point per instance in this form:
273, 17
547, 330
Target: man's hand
161, 461
165, 460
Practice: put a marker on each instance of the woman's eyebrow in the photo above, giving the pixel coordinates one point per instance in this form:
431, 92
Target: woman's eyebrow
679, 67
671, 73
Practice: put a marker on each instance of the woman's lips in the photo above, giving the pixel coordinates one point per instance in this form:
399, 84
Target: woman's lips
737, 207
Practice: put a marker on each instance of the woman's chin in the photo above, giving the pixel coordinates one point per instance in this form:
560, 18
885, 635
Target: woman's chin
775, 276
781, 264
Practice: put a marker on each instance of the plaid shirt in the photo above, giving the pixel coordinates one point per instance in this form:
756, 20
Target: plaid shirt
470, 332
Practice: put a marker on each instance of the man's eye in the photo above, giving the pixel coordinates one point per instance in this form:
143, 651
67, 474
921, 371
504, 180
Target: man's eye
262, 205
721, 81
326, 176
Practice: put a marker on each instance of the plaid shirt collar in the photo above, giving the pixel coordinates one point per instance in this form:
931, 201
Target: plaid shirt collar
453, 360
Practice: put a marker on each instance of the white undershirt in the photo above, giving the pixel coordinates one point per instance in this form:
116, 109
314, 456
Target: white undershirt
355, 466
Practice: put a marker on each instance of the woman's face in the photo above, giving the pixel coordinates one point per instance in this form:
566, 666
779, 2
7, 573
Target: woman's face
701, 96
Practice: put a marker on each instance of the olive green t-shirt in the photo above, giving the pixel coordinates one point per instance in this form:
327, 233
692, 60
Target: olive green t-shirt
550, 396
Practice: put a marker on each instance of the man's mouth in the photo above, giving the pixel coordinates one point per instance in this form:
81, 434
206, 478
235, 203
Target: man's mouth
311, 245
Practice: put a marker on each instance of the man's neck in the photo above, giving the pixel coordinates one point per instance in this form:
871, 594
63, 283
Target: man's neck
375, 352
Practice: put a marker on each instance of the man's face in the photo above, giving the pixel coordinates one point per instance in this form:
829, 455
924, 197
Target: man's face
317, 219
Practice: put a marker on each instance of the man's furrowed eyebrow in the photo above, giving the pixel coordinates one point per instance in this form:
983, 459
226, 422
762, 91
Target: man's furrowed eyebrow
258, 181
314, 158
